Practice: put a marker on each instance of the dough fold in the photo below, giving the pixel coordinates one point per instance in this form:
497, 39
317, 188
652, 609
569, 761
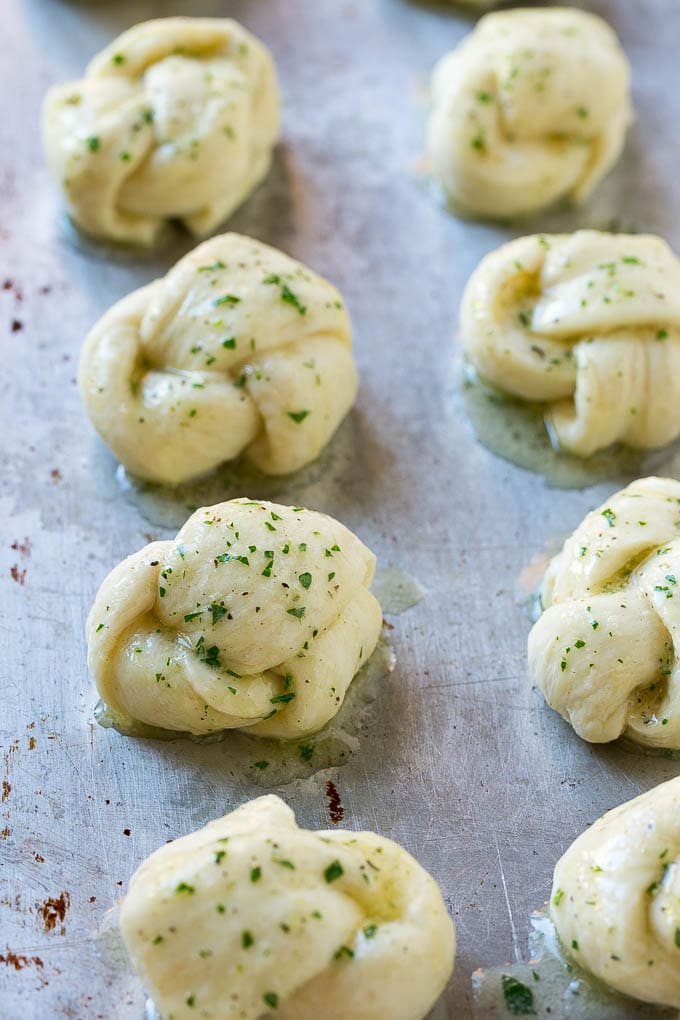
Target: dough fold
605, 650
252, 915
239, 349
616, 897
531, 107
175, 119
587, 323
256, 616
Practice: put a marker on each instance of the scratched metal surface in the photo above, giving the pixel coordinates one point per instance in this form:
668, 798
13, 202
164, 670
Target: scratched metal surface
463, 764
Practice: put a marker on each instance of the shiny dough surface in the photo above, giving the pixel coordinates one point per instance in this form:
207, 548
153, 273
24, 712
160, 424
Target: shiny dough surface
175, 119
604, 651
256, 616
533, 106
587, 324
239, 349
252, 915
616, 897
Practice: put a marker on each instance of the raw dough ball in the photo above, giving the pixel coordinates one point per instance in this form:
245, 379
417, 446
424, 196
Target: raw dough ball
604, 652
252, 915
256, 615
239, 349
177, 118
533, 106
616, 897
589, 324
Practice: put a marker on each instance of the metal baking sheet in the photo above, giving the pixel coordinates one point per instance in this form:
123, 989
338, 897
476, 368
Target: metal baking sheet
459, 759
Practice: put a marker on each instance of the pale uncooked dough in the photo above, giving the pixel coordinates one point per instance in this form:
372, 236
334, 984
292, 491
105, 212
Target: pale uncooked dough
252, 915
176, 118
256, 616
531, 107
239, 349
604, 651
616, 897
588, 324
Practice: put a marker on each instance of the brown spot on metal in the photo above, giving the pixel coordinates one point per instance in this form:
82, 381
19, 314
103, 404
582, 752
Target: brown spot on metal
53, 911
31, 743
126, 832
24, 548
17, 325
55, 475
39, 859
336, 811
19, 962
17, 575
5, 833
6, 790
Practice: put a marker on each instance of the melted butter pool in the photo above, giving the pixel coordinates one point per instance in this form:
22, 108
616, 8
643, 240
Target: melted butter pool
269, 763
168, 507
516, 431
550, 987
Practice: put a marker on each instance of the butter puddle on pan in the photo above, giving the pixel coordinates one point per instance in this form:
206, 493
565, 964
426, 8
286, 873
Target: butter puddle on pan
549, 987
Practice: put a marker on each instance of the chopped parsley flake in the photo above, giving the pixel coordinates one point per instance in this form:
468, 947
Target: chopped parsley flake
283, 699
333, 871
298, 416
609, 516
519, 998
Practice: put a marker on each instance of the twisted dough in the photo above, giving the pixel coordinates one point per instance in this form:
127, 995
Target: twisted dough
176, 118
589, 323
604, 651
256, 616
238, 349
616, 897
533, 106
252, 914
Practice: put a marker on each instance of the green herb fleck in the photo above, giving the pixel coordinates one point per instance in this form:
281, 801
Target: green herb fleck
333, 871
519, 998
609, 516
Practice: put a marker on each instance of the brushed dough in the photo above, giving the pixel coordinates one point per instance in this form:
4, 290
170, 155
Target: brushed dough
257, 615
604, 651
239, 349
616, 897
589, 324
531, 107
176, 118
252, 915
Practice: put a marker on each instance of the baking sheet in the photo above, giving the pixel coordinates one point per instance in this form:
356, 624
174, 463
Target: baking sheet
460, 760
